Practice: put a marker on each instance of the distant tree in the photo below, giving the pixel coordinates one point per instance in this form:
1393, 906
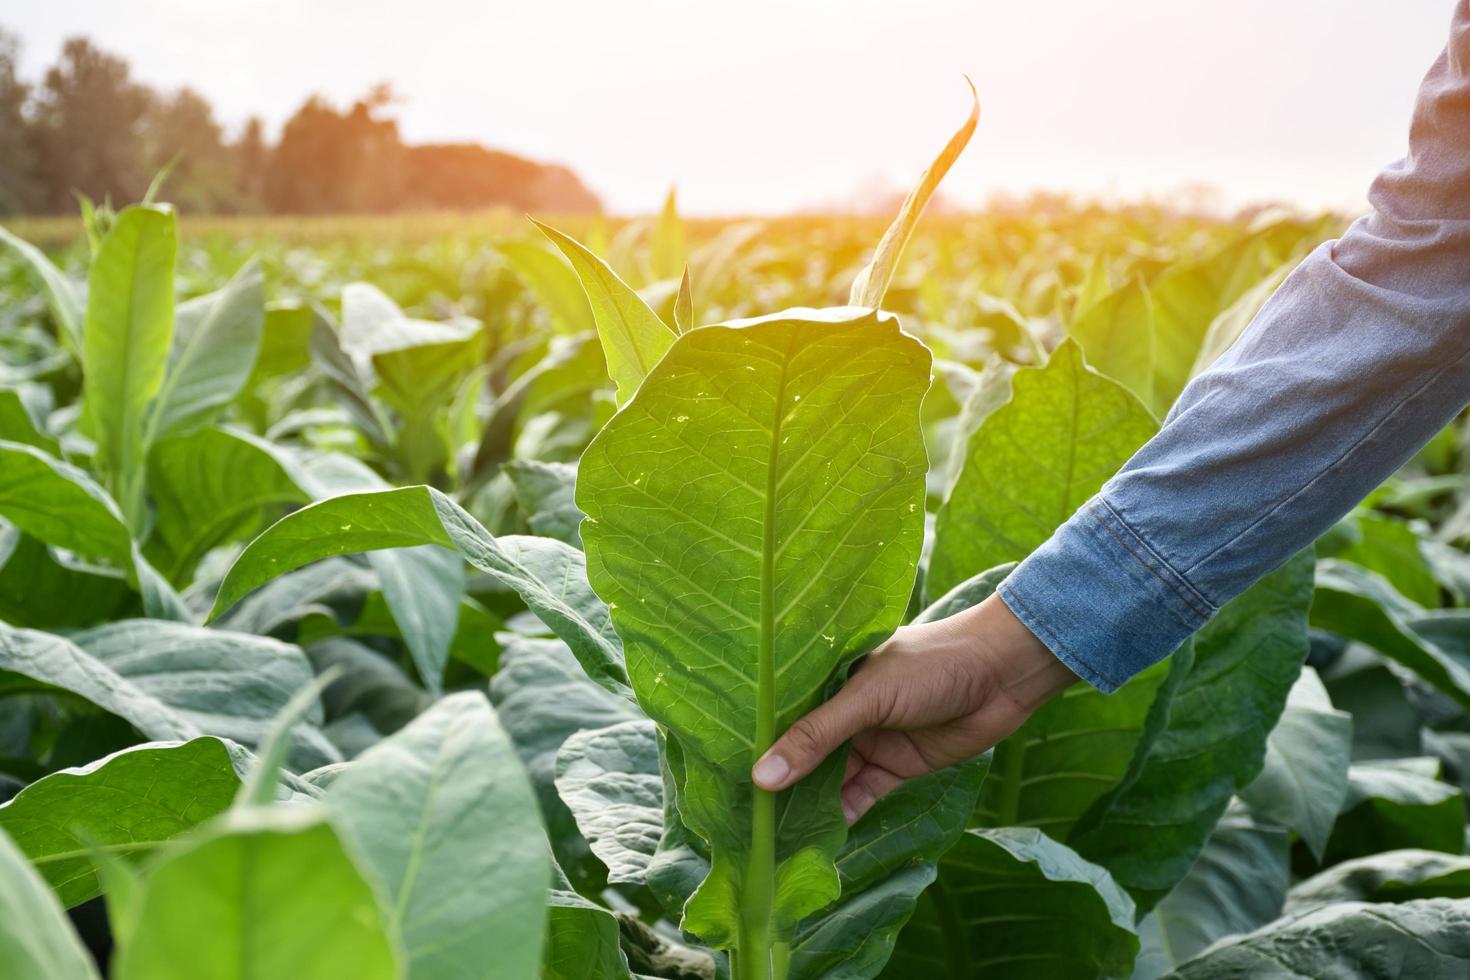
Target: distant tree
21, 189
465, 176
89, 120
251, 156
330, 161
181, 130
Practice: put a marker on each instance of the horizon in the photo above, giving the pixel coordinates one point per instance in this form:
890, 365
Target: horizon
1323, 104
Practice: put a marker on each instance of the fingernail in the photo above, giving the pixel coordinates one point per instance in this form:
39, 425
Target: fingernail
849, 813
771, 772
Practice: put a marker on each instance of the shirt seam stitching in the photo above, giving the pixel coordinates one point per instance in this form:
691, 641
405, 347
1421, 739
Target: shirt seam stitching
1191, 603
1065, 652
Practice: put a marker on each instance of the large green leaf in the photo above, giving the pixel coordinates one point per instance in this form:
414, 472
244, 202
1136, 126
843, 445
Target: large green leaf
548, 575
36, 940
21, 422
1360, 605
61, 294
633, 337
1397, 803
1428, 938
265, 894
1305, 775
126, 804
1031, 463
216, 338
872, 281
609, 778
130, 321
446, 820
1012, 902
754, 518
423, 587
1149, 830
1391, 549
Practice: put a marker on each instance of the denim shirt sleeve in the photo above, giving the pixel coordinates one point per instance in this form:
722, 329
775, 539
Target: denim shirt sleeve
1358, 359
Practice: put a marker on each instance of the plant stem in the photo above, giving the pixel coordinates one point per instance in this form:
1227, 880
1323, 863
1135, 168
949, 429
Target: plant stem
759, 894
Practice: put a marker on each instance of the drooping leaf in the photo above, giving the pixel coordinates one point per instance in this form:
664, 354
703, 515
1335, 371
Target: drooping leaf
1361, 605
445, 817
373, 324
130, 321
19, 424
127, 804
1013, 902
215, 340
1305, 775
547, 574
265, 893
1149, 830
783, 459
1031, 463
872, 281
1397, 803
1428, 938
36, 940
1391, 549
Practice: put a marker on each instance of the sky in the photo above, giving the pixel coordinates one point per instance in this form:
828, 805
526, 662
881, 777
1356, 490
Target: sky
766, 106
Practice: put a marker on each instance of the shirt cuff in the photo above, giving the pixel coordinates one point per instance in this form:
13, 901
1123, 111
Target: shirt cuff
1102, 600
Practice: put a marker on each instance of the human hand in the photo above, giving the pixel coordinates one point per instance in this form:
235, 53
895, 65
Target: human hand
934, 694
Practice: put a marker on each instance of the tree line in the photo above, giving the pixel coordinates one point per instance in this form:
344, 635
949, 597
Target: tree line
88, 127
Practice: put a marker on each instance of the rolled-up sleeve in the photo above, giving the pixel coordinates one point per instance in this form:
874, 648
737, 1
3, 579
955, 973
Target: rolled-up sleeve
1358, 359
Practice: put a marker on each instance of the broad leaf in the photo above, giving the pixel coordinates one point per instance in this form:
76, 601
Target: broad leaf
633, 337
423, 587
216, 338
36, 940
1392, 876
754, 519
445, 818
1149, 830
1237, 884
1397, 803
130, 321
1031, 463
59, 504
548, 575
1391, 549
265, 894
581, 938
1360, 605
1428, 938
1013, 902
609, 778
1305, 776
127, 804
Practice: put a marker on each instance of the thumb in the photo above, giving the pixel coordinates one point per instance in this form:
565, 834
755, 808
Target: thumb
815, 736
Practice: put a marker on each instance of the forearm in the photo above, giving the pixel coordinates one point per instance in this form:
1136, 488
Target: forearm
1360, 357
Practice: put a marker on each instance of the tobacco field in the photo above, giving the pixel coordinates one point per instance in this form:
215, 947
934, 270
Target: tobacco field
415, 606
